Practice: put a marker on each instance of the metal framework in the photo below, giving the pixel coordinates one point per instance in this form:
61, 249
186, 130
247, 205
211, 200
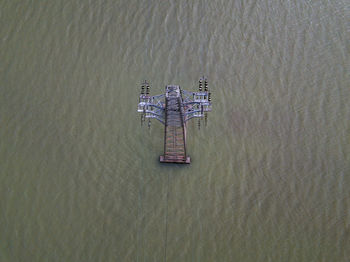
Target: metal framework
174, 109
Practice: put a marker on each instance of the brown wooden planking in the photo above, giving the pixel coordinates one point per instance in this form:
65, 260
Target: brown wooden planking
175, 130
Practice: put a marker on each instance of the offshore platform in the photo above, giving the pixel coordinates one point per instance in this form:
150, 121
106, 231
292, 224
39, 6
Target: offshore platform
174, 109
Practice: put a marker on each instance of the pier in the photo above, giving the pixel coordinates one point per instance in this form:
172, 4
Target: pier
175, 128
174, 109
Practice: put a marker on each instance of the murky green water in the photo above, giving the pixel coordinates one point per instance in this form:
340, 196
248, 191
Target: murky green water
80, 179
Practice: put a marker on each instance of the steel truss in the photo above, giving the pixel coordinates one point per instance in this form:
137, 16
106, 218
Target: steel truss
194, 104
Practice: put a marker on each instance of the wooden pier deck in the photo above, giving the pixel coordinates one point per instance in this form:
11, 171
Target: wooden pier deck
175, 128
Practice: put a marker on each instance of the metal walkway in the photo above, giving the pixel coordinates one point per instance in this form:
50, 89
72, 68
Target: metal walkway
175, 128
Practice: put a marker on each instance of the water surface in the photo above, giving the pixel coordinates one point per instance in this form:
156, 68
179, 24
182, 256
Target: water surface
269, 178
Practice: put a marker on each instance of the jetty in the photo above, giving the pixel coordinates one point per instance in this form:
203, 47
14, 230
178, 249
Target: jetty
174, 109
175, 128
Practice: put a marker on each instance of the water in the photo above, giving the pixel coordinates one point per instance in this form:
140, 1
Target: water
269, 178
